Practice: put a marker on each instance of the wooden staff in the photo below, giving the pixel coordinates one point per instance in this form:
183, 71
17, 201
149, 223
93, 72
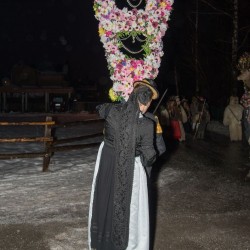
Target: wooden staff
199, 120
158, 104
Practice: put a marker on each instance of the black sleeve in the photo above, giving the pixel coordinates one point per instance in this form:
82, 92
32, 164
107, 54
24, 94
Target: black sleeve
103, 109
160, 144
146, 146
159, 141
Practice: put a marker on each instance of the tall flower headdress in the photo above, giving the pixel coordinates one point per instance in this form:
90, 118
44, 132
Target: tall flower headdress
146, 26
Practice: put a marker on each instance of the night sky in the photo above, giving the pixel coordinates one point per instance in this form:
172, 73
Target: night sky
51, 31
57, 31
39, 32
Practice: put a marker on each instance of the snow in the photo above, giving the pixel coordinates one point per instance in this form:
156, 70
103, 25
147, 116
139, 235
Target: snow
61, 195
218, 128
28, 195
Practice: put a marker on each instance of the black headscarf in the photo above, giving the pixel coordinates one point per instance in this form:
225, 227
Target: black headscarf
127, 116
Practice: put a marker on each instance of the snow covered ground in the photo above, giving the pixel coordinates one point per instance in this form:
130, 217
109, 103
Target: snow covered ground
218, 128
48, 211
30, 196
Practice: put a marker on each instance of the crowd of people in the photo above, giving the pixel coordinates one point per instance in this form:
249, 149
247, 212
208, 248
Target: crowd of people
179, 116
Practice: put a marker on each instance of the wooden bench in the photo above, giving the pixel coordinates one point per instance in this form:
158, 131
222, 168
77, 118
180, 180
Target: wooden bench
47, 139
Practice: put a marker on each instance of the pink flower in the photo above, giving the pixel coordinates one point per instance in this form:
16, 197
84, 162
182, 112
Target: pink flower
120, 87
134, 64
169, 7
133, 18
136, 78
135, 12
108, 33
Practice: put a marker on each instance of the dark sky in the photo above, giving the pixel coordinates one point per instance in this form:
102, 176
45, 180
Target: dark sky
51, 30
36, 31
56, 31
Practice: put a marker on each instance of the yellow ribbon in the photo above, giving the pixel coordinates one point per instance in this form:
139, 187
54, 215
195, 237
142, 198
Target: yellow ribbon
158, 126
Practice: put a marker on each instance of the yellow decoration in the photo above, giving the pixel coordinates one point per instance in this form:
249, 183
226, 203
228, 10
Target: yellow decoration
163, 4
158, 126
101, 31
112, 95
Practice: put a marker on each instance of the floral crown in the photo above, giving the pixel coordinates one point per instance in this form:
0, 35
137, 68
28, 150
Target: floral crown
147, 26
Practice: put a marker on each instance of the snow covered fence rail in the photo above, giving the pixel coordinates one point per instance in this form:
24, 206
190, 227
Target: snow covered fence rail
58, 136
47, 139
70, 140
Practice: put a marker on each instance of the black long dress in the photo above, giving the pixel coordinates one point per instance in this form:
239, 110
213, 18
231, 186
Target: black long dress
103, 202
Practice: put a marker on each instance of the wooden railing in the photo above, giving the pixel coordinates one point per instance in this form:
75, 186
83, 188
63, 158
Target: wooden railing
51, 143
59, 144
47, 139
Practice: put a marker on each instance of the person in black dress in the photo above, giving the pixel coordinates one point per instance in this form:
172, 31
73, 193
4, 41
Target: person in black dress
118, 213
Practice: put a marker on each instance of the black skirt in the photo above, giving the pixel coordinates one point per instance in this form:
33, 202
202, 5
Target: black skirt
101, 223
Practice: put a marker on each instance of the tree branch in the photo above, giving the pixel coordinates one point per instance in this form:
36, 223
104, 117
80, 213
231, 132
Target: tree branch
213, 7
244, 40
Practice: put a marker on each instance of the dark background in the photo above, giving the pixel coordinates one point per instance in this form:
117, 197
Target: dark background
46, 34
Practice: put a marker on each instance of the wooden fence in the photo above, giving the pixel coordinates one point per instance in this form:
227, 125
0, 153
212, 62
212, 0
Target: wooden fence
47, 139
51, 143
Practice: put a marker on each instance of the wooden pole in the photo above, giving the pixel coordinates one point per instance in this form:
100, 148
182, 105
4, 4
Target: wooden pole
176, 80
48, 153
234, 44
158, 104
197, 88
199, 120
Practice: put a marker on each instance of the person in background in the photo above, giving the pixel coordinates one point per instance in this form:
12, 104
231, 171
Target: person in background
119, 208
186, 107
201, 119
181, 116
194, 111
164, 117
232, 118
173, 131
244, 68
